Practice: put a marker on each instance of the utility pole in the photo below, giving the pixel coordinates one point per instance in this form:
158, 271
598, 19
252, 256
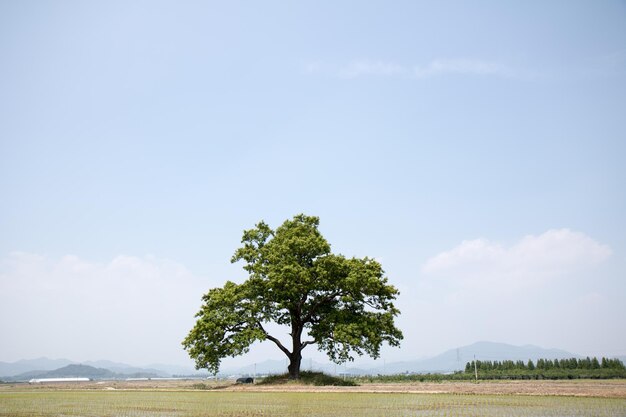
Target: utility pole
475, 369
255, 371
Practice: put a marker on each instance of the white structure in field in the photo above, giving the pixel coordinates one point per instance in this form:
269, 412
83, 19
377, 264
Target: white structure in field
44, 380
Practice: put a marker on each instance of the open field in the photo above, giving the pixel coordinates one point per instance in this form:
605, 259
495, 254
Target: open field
610, 388
579, 388
179, 398
225, 403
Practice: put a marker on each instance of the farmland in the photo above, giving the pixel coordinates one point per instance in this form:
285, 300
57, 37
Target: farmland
586, 398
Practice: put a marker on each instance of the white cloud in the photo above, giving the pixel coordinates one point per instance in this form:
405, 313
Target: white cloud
133, 309
534, 258
540, 289
313, 67
436, 67
377, 68
462, 66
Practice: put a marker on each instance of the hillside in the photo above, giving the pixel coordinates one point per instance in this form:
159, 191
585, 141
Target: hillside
24, 368
28, 365
77, 371
448, 361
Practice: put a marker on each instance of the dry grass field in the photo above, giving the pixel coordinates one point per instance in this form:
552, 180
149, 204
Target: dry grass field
224, 398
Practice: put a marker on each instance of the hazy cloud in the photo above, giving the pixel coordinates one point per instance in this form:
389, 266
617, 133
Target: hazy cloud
436, 67
377, 68
462, 66
131, 308
533, 258
519, 292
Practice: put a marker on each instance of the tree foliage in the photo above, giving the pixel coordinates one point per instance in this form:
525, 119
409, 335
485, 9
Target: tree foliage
548, 369
342, 305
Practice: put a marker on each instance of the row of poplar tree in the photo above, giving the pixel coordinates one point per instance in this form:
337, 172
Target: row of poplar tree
546, 364
573, 368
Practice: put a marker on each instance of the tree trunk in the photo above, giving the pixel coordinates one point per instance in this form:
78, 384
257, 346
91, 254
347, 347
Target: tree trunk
294, 365
296, 354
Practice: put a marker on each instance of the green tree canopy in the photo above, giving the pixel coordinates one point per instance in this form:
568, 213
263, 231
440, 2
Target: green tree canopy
342, 305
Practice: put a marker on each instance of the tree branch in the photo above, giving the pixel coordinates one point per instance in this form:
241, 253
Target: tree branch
314, 307
305, 344
273, 339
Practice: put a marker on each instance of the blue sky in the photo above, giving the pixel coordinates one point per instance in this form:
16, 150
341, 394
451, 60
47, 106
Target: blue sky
147, 135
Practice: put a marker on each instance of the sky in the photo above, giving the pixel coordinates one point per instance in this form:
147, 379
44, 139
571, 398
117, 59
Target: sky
476, 149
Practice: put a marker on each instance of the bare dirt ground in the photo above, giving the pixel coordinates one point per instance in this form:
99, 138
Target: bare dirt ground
584, 388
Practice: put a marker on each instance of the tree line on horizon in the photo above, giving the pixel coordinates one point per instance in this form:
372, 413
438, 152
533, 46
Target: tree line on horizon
546, 364
570, 368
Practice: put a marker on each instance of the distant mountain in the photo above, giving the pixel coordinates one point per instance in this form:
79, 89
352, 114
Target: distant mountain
79, 371
40, 365
106, 364
122, 368
449, 361
69, 371
278, 367
455, 359
173, 369
26, 365
266, 367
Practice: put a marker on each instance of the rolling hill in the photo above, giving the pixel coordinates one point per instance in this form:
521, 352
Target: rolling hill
448, 361
77, 371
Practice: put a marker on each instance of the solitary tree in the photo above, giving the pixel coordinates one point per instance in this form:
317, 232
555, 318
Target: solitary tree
343, 305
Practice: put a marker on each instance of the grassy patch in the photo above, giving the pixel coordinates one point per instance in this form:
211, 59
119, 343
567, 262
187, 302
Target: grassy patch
308, 378
203, 386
